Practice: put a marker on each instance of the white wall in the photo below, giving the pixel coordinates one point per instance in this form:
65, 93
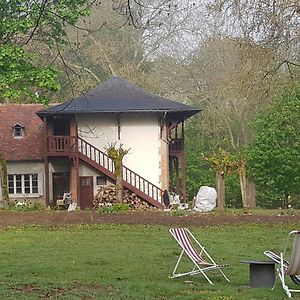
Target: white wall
98, 129
140, 132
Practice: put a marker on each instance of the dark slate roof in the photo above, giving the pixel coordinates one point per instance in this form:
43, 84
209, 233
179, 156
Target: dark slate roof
117, 95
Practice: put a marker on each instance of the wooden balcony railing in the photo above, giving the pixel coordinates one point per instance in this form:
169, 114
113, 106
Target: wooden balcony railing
61, 144
176, 145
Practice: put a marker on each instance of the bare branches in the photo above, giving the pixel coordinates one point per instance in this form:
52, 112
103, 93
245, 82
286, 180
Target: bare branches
110, 67
274, 23
37, 22
83, 68
279, 65
131, 10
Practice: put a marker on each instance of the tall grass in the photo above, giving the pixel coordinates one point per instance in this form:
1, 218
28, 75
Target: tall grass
129, 262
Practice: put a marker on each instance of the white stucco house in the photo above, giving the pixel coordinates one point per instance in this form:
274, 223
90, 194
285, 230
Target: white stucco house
75, 134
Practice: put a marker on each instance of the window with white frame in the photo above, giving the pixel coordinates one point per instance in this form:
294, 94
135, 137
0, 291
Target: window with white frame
19, 184
18, 131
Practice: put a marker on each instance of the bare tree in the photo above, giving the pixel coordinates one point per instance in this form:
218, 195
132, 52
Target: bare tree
270, 23
117, 154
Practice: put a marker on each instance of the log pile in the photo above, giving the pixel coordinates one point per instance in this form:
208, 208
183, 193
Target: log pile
106, 196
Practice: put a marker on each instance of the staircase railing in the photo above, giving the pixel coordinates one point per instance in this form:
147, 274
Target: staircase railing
129, 176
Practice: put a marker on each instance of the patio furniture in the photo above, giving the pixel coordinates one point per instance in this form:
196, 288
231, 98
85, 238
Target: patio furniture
262, 273
65, 201
289, 262
191, 247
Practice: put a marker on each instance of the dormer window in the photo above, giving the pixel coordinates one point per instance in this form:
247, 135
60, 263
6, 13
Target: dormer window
18, 131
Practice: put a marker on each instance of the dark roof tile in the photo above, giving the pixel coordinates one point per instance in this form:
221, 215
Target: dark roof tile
118, 95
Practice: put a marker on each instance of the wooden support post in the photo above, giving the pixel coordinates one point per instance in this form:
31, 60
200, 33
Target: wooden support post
182, 135
74, 179
164, 154
183, 174
46, 161
183, 165
47, 192
177, 182
77, 179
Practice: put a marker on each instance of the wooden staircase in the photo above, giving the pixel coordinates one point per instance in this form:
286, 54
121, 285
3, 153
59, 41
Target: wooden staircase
131, 180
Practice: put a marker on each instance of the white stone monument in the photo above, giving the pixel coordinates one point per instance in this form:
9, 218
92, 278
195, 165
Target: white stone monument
205, 199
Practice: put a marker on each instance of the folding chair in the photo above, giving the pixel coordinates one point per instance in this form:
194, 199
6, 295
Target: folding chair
288, 268
201, 259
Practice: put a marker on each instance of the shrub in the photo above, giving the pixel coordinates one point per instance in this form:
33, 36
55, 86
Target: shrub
25, 205
113, 208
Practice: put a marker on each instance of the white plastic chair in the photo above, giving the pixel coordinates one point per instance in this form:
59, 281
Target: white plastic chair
201, 260
289, 267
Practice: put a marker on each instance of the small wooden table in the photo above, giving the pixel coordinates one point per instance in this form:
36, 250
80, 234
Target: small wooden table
262, 273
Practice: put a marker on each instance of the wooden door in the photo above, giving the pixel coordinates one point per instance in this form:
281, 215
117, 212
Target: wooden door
86, 192
61, 185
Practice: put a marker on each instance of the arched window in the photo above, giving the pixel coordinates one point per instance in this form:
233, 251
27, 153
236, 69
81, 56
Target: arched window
18, 131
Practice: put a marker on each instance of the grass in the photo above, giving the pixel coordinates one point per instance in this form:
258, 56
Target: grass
128, 262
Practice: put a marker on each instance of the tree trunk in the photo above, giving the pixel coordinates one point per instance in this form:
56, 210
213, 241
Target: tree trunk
251, 190
1, 185
247, 188
3, 182
220, 182
243, 185
117, 156
119, 183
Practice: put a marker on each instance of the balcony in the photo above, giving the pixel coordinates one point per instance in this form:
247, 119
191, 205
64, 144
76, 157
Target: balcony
61, 145
176, 145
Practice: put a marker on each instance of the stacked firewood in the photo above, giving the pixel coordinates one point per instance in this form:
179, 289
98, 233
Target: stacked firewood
106, 196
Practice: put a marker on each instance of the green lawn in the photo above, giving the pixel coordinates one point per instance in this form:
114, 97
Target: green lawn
128, 262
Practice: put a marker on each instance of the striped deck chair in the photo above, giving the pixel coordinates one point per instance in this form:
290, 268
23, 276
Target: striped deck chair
201, 259
288, 267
